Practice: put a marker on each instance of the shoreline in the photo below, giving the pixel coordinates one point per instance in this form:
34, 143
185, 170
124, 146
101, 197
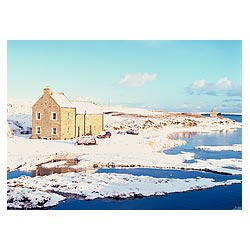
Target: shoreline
25, 154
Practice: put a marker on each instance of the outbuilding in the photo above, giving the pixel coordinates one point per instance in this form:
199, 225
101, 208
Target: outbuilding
213, 113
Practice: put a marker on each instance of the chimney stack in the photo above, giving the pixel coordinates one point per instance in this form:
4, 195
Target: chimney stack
47, 91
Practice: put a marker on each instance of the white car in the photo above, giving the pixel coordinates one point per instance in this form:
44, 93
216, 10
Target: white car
86, 140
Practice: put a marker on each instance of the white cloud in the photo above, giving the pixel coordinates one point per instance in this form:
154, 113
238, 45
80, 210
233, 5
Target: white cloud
199, 87
199, 84
137, 80
223, 86
224, 83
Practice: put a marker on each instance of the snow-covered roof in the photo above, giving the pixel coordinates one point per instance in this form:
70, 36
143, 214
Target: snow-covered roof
86, 107
62, 100
82, 107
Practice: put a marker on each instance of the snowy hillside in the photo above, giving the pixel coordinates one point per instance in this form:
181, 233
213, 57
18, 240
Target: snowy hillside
19, 116
19, 107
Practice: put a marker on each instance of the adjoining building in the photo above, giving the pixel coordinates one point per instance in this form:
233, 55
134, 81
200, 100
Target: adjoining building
55, 117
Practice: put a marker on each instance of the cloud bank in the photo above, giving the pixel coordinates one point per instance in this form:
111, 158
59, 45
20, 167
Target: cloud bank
137, 80
223, 86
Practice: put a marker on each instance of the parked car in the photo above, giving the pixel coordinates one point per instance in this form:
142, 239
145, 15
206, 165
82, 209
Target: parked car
26, 131
104, 134
132, 132
86, 140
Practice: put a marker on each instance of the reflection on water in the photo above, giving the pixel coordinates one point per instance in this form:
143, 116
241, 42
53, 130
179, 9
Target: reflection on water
181, 135
62, 167
224, 131
40, 171
215, 138
187, 135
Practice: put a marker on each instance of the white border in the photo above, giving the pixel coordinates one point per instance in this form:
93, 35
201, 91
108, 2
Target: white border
126, 20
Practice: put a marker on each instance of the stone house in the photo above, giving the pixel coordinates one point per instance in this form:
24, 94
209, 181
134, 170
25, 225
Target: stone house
55, 117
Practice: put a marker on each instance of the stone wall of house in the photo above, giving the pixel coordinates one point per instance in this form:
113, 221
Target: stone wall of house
67, 123
45, 106
79, 125
94, 123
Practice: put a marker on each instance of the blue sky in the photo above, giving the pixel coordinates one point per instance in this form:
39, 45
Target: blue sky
180, 75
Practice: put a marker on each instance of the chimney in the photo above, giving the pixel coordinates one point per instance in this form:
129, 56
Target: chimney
47, 91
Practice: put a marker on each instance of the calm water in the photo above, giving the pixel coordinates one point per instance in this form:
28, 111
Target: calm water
17, 173
237, 118
170, 173
217, 198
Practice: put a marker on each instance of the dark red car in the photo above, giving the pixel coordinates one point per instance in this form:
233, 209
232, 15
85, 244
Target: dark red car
104, 134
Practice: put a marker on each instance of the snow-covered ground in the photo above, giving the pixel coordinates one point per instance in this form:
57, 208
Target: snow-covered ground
99, 185
27, 198
118, 151
121, 150
224, 166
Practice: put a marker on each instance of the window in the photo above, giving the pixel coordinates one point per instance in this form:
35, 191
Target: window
38, 130
53, 131
68, 115
53, 116
38, 115
68, 130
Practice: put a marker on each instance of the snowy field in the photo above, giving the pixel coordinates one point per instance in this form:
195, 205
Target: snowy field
120, 151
